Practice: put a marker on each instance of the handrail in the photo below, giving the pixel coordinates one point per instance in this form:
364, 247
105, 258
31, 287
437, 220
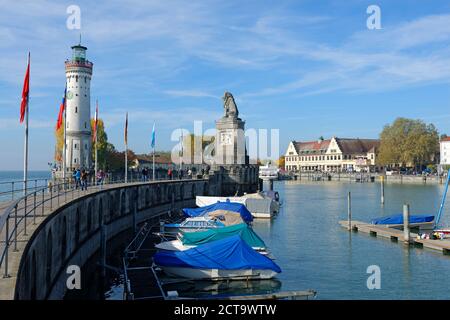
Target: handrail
27, 206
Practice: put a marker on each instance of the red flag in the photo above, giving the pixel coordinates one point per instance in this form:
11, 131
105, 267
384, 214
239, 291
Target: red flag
62, 109
94, 136
25, 92
126, 130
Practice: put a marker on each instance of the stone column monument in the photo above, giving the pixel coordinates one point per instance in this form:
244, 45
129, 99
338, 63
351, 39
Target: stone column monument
231, 167
230, 135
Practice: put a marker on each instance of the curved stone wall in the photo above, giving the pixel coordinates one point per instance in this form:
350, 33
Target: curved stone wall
71, 234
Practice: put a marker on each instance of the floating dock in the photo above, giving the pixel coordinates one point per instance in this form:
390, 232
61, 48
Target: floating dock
396, 235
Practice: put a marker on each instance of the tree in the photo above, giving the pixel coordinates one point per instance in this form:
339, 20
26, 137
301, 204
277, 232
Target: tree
59, 136
102, 143
408, 142
281, 162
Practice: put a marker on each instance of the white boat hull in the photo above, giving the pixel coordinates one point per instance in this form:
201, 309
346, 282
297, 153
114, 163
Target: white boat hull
177, 245
268, 211
218, 274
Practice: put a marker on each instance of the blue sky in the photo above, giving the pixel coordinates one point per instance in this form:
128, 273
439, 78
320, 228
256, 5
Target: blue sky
308, 68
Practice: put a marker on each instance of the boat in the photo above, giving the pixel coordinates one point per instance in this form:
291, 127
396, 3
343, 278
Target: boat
264, 204
396, 221
269, 172
217, 215
230, 258
194, 224
189, 240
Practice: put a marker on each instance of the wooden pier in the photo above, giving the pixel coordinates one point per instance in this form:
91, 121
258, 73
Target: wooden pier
396, 235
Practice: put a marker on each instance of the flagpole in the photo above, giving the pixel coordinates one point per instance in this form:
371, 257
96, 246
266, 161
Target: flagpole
126, 163
65, 142
126, 149
153, 145
25, 151
96, 135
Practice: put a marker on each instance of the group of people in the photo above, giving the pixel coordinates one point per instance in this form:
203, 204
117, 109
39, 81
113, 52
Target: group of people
81, 178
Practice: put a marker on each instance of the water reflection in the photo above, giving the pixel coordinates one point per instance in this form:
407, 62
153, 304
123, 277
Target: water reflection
199, 289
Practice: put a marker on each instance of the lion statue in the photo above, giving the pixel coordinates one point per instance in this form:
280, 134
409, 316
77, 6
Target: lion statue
231, 110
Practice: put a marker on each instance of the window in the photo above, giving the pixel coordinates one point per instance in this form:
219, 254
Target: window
76, 109
76, 78
75, 146
85, 125
85, 147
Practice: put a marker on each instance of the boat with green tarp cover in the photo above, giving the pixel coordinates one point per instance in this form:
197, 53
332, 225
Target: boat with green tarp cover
189, 240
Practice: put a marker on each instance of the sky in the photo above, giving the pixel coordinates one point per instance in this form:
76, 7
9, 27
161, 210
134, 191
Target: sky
308, 68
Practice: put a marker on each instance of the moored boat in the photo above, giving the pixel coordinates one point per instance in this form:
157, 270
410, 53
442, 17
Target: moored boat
230, 258
422, 222
188, 240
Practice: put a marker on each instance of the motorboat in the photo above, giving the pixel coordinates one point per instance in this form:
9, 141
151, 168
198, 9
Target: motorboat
217, 215
188, 240
269, 172
194, 224
263, 204
230, 258
423, 222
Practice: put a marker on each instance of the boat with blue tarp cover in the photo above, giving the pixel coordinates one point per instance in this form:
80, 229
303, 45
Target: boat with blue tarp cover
217, 215
396, 220
218, 208
188, 240
229, 258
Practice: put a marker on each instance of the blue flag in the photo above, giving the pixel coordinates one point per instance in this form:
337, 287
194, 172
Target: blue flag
153, 136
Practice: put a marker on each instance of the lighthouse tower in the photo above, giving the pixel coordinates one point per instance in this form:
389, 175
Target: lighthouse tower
78, 117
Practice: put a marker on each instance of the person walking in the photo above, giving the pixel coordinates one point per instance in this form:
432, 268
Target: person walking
77, 177
84, 177
170, 173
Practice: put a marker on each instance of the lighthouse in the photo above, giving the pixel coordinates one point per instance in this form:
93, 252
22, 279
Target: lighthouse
78, 108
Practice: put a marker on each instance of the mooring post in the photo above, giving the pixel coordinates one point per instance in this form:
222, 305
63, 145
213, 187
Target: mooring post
406, 223
382, 189
349, 207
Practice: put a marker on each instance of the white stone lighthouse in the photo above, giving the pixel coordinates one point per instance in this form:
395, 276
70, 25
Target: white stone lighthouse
78, 125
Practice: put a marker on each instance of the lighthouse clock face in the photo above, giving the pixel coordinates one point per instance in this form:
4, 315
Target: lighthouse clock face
69, 95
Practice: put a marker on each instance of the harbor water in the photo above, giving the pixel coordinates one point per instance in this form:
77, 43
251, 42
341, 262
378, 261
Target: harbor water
315, 252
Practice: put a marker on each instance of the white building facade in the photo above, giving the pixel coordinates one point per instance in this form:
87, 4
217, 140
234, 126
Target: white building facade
332, 155
445, 151
78, 103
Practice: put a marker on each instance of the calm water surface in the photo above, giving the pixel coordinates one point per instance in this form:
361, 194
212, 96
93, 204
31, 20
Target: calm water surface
315, 252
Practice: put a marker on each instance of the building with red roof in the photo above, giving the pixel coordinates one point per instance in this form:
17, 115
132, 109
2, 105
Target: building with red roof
332, 155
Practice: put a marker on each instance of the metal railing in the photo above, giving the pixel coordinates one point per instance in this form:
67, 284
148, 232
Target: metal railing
9, 190
25, 210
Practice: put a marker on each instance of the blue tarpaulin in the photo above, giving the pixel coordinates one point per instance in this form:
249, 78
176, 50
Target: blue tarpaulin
231, 253
233, 207
398, 219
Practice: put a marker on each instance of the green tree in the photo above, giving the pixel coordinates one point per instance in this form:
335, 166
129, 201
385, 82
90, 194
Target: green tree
102, 143
408, 142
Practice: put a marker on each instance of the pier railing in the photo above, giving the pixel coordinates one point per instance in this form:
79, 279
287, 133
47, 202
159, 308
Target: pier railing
38, 203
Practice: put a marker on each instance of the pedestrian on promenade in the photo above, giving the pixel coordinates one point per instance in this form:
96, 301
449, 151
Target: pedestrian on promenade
84, 177
77, 177
100, 177
144, 173
170, 173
